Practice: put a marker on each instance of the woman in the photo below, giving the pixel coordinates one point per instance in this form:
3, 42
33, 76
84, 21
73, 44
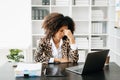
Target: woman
59, 44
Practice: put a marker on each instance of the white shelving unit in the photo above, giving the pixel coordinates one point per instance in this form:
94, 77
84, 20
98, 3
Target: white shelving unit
92, 20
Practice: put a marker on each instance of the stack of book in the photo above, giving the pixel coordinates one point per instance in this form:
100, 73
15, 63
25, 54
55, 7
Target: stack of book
82, 43
62, 2
97, 42
81, 2
97, 28
29, 69
97, 15
101, 2
39, 14
45, 2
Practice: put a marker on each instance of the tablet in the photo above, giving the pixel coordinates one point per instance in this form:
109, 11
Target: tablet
56, 70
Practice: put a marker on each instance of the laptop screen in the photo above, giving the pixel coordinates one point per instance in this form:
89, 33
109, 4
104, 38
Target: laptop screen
95, 61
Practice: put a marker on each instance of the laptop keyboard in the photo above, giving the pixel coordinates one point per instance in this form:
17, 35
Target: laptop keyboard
79, 70
76, 68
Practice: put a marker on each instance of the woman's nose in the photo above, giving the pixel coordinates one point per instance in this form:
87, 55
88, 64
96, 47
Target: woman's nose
63, 33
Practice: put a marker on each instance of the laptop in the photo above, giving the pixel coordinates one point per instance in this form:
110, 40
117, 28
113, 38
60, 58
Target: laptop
94, 62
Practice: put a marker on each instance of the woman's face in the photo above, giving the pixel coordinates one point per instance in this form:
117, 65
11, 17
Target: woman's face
60, 34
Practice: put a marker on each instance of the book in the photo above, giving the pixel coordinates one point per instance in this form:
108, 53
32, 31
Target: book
45, 2
30, 69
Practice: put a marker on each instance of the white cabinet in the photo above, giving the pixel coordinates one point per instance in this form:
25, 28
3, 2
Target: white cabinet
92, 20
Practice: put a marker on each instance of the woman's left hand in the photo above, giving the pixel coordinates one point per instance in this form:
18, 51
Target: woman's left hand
70, 36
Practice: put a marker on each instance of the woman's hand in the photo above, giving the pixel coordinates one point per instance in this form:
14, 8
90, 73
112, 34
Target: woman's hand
64, 60
61, 60
70, 36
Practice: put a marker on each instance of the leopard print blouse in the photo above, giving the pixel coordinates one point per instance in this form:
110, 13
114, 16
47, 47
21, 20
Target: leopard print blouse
44, 51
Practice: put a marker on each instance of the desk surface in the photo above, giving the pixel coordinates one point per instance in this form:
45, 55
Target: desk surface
111, 72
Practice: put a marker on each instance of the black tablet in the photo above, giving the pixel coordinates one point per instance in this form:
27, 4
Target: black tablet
56, 70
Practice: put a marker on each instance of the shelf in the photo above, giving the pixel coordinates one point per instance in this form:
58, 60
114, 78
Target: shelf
100, 48
84, 18
82, 48
59, 6
40, 5
80, 13
81, 20
81, 6
38, 13
64, 10
101, 20
99, 34
99, 5
81, 34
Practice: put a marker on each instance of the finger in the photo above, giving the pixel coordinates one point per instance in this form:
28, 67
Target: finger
65, 31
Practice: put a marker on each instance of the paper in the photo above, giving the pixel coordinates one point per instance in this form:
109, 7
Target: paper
32, 69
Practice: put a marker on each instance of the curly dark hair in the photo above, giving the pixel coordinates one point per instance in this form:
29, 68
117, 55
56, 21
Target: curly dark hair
54, 21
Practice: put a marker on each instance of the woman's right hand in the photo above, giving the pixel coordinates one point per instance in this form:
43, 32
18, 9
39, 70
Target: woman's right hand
61, 60
70, 36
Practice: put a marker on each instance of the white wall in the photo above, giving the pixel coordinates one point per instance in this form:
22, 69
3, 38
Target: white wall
15, 25
3, 53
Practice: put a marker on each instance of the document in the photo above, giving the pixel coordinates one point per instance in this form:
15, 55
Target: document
30, 69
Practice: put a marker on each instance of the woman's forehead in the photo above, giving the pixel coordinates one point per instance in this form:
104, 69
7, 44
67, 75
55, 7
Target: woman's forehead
64, 27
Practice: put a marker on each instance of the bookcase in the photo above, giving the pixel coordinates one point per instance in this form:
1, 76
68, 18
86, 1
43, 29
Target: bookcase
92, 21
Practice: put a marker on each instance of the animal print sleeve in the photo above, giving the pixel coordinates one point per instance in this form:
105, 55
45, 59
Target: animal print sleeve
39, 55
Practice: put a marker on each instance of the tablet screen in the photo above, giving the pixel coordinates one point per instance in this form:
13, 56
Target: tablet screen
56, 70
